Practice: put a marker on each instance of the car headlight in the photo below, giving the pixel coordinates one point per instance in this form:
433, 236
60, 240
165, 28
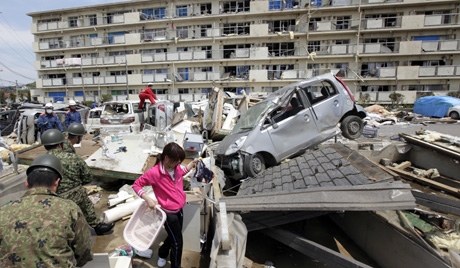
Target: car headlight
236, 146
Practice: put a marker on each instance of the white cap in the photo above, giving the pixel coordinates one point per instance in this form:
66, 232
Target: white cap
49, 105
72, 102
150, 84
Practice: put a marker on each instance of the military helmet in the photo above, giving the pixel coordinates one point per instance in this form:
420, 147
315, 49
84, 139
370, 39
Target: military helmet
52, 137
46, 161
76, 129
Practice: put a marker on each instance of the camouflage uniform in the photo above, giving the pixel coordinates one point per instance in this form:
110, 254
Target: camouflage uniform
76, 173
43, 230
68, 147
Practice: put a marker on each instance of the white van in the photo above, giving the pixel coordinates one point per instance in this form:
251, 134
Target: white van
122, 116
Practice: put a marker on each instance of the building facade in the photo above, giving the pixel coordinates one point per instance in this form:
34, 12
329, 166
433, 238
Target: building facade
376, 46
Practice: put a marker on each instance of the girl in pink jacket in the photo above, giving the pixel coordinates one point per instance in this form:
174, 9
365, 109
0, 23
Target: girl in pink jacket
167, 184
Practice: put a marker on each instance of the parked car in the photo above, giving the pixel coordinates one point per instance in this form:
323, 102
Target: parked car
288, 122
438, 106
161, 114
122, 116
93, 120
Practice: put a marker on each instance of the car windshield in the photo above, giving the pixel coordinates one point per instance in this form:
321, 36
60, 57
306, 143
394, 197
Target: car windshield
252, 116
116, 108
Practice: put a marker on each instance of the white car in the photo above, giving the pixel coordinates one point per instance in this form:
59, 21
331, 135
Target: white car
93, 120
454, 112
122, 116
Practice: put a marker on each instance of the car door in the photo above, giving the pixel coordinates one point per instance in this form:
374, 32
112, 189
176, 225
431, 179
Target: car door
326, 102
294, 127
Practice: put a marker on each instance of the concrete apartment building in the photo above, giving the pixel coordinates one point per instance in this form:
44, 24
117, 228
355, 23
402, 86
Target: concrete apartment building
376, 46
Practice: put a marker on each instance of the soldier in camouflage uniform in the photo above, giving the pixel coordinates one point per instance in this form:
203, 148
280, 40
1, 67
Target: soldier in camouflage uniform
75, 174
41, 229
76, 132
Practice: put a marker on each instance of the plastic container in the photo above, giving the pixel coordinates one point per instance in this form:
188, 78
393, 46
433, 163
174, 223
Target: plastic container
144, 226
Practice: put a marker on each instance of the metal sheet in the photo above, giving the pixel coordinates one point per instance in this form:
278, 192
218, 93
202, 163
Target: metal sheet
132, 161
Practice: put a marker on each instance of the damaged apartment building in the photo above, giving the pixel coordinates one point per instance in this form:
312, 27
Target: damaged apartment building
376, 46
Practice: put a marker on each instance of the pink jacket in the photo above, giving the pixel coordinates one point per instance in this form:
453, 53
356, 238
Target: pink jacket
170, 194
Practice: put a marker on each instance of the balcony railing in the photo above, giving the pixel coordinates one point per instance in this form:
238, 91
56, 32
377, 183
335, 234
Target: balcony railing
78, 81
81, 22
423, 71
82, 42
286, 74
440, 45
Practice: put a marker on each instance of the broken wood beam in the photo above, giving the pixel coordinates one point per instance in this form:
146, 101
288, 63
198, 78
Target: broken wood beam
441, 149
223, 220
409, 176
404, 165
312, 249
437, 203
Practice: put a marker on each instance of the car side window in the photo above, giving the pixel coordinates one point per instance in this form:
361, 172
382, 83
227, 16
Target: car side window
290, 107
319, 91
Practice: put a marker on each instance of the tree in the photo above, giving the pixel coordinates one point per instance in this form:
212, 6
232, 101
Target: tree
364, 98
396, 99
2, 97
425, 94
12, 97
21, 96
106, 98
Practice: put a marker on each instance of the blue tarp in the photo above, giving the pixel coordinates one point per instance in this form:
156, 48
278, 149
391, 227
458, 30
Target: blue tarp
436, 106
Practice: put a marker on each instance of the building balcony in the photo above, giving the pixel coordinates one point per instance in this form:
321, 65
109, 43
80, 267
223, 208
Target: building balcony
416, 72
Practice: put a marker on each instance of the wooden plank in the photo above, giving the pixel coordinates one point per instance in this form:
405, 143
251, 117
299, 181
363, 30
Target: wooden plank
437, 203
225, 235
404, 165
425, 181
314, 250
262, 220
441, 149
215, 185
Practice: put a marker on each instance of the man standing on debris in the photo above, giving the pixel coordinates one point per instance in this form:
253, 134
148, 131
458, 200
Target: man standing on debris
41, 229
75, 174
147, 93
48, 120
72, 115
76, 132
167, 184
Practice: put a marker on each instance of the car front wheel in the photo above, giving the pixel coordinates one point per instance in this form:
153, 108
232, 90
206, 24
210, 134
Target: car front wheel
254, 164
352, 127
454, 115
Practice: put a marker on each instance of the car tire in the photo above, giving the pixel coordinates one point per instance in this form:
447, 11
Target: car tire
454, 115
352, 127
254, 164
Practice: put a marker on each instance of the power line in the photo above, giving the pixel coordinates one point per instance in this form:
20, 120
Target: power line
15, 36
16, 51
16, 73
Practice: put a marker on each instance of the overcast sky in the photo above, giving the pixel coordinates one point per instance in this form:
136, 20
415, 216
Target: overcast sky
16, 56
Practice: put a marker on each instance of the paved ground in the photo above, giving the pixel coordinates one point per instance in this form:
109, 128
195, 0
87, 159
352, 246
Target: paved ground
387, 131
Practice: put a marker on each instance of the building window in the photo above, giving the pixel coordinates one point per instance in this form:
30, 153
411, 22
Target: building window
281, 49
208, 50
389, 20
236, 28
314, 46
205, 30
206, 9
92, 20
282, 4
343, 68
390, 43
73, 22
118, 73
312, 24
182, 32
314, 68
342, 42
183, 90
239, 72
119, 92
281, 26
372, 88
181, 11
276, 71
372, 69
236, 6
230, 50
342, 23
150, 34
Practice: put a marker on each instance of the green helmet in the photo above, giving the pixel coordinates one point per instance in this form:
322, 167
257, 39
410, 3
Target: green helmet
52, 137
46, 161
76, 129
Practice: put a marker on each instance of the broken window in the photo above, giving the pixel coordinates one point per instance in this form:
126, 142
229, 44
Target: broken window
208, 50
282, 4
281, 25
281, 49
314, 68
373, 68
314, 46
206, 9
182, 32
342, 42
153, 13
92, 20
342, 23
118, 73
236, 72
312, 24
319, 91
182, 74
73, 22
446, 18
153, 34
372, 88
110, 16
236, 6
205, 30
276, 71
53, 42
52, 57
236, 28
427, 63
230, 51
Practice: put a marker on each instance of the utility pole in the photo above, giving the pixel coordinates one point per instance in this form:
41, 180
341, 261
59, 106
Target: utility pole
83, 83
17, 95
